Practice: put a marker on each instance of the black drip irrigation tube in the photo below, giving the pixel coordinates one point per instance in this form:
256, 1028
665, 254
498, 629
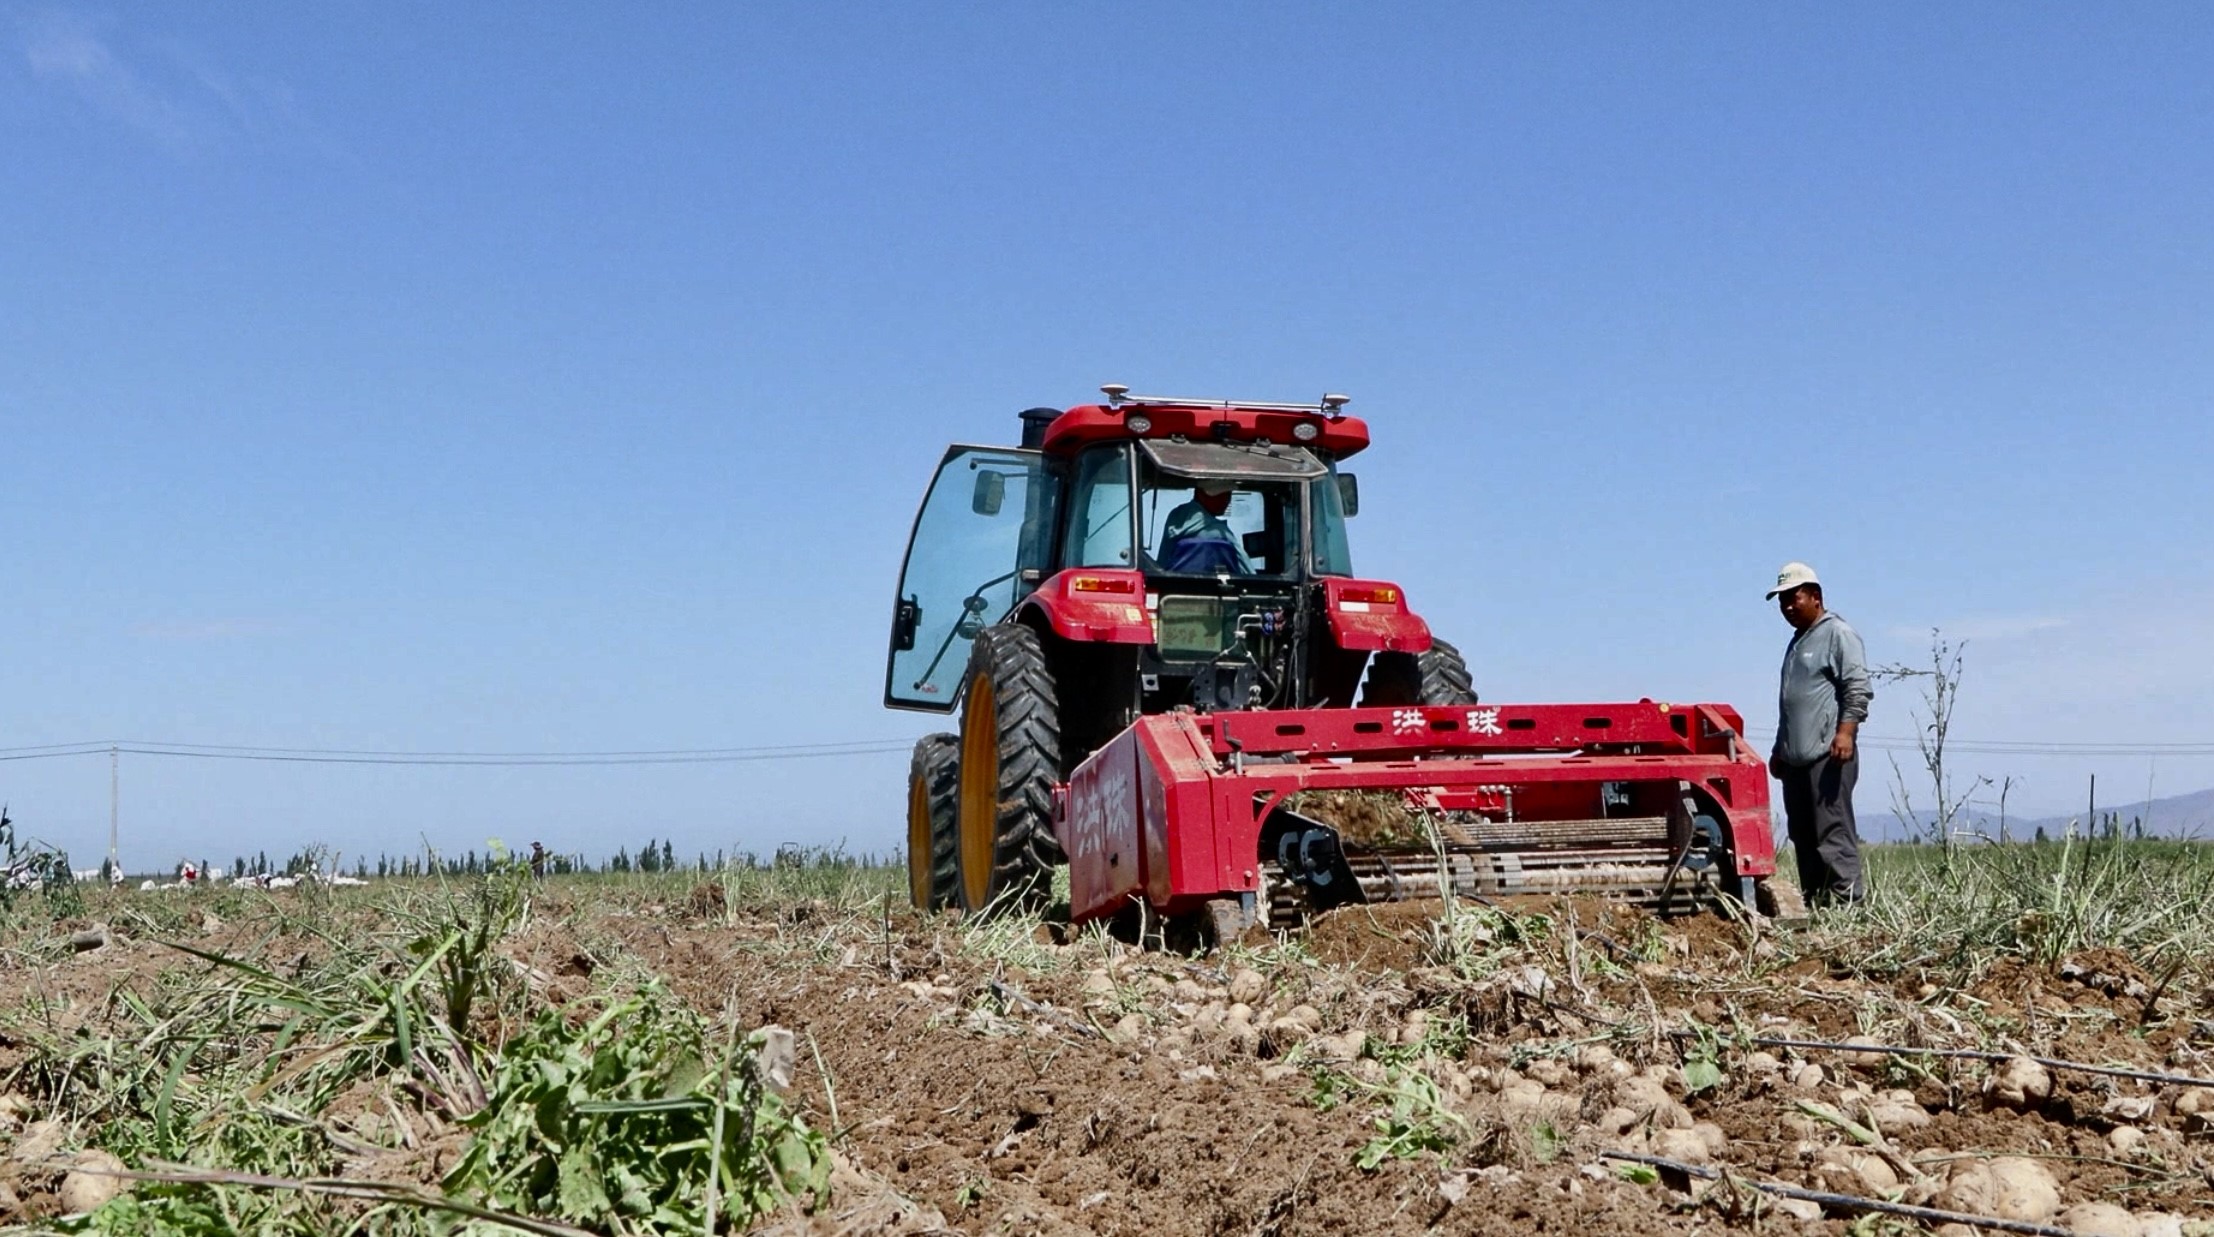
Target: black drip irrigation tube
1848, 1202
1983, 1054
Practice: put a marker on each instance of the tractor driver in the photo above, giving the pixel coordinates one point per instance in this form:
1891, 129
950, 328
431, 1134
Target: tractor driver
1196, 540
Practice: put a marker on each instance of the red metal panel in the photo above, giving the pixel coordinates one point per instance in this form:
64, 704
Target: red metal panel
1095, 604
1099, 828
1182, 816
1154, 819
1493, 728
1372, 615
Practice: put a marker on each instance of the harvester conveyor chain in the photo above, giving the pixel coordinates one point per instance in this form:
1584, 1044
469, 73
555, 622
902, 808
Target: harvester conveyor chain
1633, 875
1521, 835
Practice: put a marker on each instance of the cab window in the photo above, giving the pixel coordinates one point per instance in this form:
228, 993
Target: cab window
1201, 526
1333, 556
1099, 510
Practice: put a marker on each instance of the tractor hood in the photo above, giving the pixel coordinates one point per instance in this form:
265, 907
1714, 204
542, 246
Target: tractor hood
1232, 461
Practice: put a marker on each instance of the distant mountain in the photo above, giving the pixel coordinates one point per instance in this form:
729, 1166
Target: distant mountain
2187, 815
2190, 815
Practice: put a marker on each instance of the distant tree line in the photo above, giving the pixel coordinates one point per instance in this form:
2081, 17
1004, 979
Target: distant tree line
654, 856
2107, 827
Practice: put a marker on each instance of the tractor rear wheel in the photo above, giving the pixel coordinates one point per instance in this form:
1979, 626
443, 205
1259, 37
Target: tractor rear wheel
933, 789
1435, 676
1010, 759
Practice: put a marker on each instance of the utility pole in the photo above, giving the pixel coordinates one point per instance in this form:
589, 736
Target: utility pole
115, 786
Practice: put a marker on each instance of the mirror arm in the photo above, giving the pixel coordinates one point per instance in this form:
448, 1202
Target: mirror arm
972, 604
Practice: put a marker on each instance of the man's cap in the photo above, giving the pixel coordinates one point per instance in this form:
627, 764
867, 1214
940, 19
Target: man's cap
1791, 576
1215, 485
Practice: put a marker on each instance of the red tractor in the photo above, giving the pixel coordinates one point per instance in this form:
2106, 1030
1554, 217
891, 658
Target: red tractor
1171, 680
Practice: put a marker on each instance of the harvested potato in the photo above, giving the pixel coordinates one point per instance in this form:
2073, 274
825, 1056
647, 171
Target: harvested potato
1691, 1146
2101, 1220
2020, 1084
1898, 1110
2009, 1187
91, 1182
1849, 1170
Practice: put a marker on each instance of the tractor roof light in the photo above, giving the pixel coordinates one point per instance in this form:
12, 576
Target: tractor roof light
1137, 423
1306, 431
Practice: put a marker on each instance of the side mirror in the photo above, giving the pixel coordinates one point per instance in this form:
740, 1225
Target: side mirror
1349, 494
972, 617
905, 620
991, 492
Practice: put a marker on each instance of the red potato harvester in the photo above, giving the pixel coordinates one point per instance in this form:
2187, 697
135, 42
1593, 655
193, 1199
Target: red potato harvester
1171, 680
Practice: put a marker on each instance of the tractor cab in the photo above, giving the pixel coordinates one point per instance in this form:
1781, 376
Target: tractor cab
1188, 545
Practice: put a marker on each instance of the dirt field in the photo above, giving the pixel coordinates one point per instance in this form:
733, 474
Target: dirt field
1388, 1071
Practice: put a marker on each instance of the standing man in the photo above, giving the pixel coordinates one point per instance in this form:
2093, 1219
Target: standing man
1824, 699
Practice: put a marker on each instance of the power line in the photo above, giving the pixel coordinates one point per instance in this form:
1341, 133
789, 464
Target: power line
352, 751
2001, 748
2024, 747
667, 751
868, 747
734, 757
729, 755
44, 754
51, 749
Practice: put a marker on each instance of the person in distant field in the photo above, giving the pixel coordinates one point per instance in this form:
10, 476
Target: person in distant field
538, 860
1823, 701
1197, 541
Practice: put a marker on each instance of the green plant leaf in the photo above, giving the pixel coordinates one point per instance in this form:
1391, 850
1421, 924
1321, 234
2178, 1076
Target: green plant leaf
1701, 1075
582, 1196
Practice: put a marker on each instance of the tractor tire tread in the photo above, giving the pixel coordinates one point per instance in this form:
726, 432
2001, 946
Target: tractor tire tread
937, 765
1024, 848
1436, 676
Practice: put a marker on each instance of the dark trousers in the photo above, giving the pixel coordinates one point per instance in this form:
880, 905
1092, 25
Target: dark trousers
1818, 808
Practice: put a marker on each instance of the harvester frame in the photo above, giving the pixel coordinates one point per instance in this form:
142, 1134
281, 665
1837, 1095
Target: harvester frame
1196, 813
1167, 704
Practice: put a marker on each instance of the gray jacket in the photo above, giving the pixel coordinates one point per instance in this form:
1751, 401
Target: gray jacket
1825, 681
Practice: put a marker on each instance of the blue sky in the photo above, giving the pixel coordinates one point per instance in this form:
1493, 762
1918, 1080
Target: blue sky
505, 377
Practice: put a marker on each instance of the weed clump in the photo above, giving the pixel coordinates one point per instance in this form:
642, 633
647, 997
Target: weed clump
388, 1064
634, 1120
1958, 912
33, 867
